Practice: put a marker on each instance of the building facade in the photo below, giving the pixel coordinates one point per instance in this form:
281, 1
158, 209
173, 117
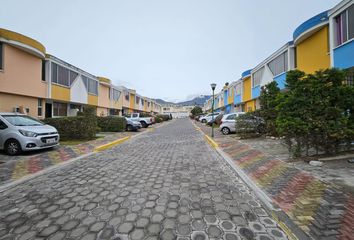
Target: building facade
44, 86
326, 40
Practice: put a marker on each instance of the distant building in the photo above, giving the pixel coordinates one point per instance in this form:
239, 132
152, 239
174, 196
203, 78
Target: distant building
177, 111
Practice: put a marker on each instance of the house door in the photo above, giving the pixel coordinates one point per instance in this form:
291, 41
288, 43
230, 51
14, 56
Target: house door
48, 110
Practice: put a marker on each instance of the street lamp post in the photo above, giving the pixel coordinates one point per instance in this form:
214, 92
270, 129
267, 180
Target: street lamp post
213, 86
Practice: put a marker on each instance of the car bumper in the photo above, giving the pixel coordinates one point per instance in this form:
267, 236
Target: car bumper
40, 142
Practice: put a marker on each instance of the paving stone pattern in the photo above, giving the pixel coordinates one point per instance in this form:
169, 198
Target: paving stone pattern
165, 184
321, 209
16, 167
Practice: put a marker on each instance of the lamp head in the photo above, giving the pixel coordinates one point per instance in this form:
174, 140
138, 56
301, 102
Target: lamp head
213, 86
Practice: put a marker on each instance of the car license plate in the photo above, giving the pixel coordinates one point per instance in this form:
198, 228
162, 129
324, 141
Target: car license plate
51, 140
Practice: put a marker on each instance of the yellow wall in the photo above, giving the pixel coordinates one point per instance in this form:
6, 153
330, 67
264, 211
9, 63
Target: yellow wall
312, 54
60, 93
9, 101
132, 101
101, 111
247, 91
250, 106
103, 97
92, 100
231, 95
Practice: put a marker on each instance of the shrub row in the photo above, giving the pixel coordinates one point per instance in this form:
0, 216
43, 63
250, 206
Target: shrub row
80, 127
111, 124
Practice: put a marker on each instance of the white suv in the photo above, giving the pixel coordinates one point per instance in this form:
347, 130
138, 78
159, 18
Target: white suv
19, 132
208, 117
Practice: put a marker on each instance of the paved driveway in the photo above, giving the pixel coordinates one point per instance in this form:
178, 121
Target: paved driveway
164, 184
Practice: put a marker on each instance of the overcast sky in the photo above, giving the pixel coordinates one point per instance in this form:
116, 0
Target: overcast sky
162, 48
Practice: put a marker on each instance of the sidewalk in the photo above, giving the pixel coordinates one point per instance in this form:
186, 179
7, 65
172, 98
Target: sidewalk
16, 167
321, 209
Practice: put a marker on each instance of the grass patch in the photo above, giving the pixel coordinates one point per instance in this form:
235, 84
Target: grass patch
77, 141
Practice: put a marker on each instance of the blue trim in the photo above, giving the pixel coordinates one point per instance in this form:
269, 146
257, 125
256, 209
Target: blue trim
312, 22
237, 99
246, 73
256, 91
343, 55
281, 80
225, 97
228, 109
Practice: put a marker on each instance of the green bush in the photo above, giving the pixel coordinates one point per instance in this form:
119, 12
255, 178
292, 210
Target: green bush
250, 125
164, 117
111, 124
158, 119
69, 128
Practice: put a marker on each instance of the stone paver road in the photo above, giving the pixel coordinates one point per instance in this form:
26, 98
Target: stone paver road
165, 184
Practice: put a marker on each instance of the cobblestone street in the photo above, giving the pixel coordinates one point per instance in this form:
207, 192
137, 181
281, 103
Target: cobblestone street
164, 184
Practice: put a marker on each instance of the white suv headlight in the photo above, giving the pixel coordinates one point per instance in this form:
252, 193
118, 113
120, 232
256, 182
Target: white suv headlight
28, 133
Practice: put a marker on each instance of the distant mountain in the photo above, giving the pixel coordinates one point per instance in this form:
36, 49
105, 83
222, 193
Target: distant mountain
200, 100
163, 102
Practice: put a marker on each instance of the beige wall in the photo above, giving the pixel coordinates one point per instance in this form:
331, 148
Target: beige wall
103, 97
102, 111
9, 101
22, 73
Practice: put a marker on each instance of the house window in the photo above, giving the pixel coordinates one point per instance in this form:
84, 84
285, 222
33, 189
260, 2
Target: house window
256, 77
126, 96
116, 94
61, 75
238, 89
279, 64
350, 77
344, 26
137, 100
91, 85
43, 70
59, 109
40, 107
1, 56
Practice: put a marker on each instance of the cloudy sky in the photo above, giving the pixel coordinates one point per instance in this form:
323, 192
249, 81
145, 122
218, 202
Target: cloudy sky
169, 49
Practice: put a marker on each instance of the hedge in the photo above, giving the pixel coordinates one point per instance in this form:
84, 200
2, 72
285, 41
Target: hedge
80, 127
164, 117
158, 119
111, 124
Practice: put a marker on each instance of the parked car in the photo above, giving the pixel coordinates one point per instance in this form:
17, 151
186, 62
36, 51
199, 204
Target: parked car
133, 125
145, 121
228, 122
217, 119
208, 117
19, 132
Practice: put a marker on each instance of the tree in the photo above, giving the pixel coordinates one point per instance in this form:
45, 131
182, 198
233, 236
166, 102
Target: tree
316, 112
269, 99
196, 111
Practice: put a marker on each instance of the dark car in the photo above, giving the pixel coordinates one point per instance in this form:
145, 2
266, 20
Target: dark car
217, 120
132, 125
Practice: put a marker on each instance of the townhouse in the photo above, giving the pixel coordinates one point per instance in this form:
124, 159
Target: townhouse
323, 41
42, 85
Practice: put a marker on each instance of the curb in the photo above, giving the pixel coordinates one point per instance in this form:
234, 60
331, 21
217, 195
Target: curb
211, 141
111, 144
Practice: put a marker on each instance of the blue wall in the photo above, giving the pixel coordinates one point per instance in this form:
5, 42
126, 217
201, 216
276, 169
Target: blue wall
237, 99
344, 55
228, 109
225, 97
256, 91
281, 79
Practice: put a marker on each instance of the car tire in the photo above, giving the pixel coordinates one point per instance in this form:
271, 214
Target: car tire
203, 121
129, 128
143, 124
225, 131
13, 147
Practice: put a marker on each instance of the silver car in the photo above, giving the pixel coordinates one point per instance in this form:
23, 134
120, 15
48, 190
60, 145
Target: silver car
228, 123
19, 132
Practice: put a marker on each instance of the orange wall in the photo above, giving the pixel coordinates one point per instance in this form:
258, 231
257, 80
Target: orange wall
103, 97
22, 73
9, 101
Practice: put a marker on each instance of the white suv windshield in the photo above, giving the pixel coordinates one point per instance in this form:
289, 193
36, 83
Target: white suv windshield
22, 120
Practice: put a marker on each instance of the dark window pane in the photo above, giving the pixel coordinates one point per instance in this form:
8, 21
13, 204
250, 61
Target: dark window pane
344, 26
72, 76
63, 76
54, 73
43, 70
351, 21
